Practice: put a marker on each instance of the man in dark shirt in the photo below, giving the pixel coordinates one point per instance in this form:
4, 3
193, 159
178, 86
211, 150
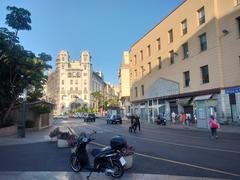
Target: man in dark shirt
131, 118
137, 120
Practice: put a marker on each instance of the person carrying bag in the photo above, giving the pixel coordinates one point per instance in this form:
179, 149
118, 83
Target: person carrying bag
214, 125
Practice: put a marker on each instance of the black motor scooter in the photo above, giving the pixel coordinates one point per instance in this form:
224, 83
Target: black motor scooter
161, 120
107, 160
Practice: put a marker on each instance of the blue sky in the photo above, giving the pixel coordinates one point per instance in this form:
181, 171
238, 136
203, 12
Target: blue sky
106, 28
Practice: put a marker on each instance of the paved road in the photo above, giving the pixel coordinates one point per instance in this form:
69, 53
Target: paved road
160, 150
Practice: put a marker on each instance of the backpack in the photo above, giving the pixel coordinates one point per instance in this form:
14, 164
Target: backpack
214, 124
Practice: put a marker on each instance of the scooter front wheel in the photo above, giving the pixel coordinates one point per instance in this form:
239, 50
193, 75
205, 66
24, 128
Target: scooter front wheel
75, 164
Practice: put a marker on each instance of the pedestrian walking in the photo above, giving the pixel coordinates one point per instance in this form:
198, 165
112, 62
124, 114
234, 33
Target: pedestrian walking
214, 125
173, 117
183, 118
137, 121
133, 126
188, 118
132, 118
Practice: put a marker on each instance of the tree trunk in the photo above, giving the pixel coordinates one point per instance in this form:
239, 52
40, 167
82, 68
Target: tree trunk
9, 110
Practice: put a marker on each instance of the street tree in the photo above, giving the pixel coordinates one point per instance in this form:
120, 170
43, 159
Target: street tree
18, 18
20, 69
114, 102
98, 98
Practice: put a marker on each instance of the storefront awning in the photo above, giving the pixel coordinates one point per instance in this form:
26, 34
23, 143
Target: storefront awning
184, 101
204, 97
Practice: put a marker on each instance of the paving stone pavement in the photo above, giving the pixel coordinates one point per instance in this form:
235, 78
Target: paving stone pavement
95, 176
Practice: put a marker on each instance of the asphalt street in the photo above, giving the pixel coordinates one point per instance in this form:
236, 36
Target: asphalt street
159, 150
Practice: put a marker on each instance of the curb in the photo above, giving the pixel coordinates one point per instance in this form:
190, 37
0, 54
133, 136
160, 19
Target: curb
19, 175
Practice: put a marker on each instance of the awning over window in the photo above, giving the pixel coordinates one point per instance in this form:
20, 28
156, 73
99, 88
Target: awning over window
204, 97
161, 105
184, 101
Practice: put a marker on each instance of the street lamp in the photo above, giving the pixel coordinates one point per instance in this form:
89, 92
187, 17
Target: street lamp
21, 126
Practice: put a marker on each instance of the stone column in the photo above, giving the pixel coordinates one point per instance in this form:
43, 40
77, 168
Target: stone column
223, 107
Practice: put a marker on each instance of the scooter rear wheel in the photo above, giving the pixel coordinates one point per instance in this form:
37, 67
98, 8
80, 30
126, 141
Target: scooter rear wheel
75, 164
118, 170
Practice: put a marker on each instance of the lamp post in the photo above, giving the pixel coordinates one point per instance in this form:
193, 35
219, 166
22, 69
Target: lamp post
21, 126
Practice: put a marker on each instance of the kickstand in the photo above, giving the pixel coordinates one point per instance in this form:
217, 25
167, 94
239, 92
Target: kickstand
89, 174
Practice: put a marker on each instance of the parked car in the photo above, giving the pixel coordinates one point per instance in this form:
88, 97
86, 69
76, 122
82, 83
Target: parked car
90, 117
114, 119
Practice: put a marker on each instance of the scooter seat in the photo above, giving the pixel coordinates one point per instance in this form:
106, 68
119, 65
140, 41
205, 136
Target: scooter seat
97, 151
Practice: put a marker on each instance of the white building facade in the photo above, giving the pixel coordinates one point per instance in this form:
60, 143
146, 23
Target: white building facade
72, 83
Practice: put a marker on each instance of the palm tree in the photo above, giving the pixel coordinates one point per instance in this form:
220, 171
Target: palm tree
97, 96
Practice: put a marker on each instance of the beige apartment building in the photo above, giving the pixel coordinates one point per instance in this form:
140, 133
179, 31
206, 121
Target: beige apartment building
72, 83
189, 62
111, 91
124, 84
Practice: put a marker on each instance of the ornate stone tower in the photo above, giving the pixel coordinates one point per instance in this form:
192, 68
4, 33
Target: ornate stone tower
86, 75
62, 62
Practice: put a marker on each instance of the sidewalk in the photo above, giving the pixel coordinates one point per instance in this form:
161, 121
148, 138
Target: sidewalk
31, 137
223, 128
95, 176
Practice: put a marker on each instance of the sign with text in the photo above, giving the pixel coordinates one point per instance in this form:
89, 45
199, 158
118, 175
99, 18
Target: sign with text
232, 90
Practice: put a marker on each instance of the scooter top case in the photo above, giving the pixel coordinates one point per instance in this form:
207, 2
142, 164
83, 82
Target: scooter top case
98, 151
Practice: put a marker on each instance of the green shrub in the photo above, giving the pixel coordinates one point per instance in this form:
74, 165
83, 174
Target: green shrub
8, 122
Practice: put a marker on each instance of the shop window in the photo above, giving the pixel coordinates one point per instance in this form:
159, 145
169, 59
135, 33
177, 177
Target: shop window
150, 103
